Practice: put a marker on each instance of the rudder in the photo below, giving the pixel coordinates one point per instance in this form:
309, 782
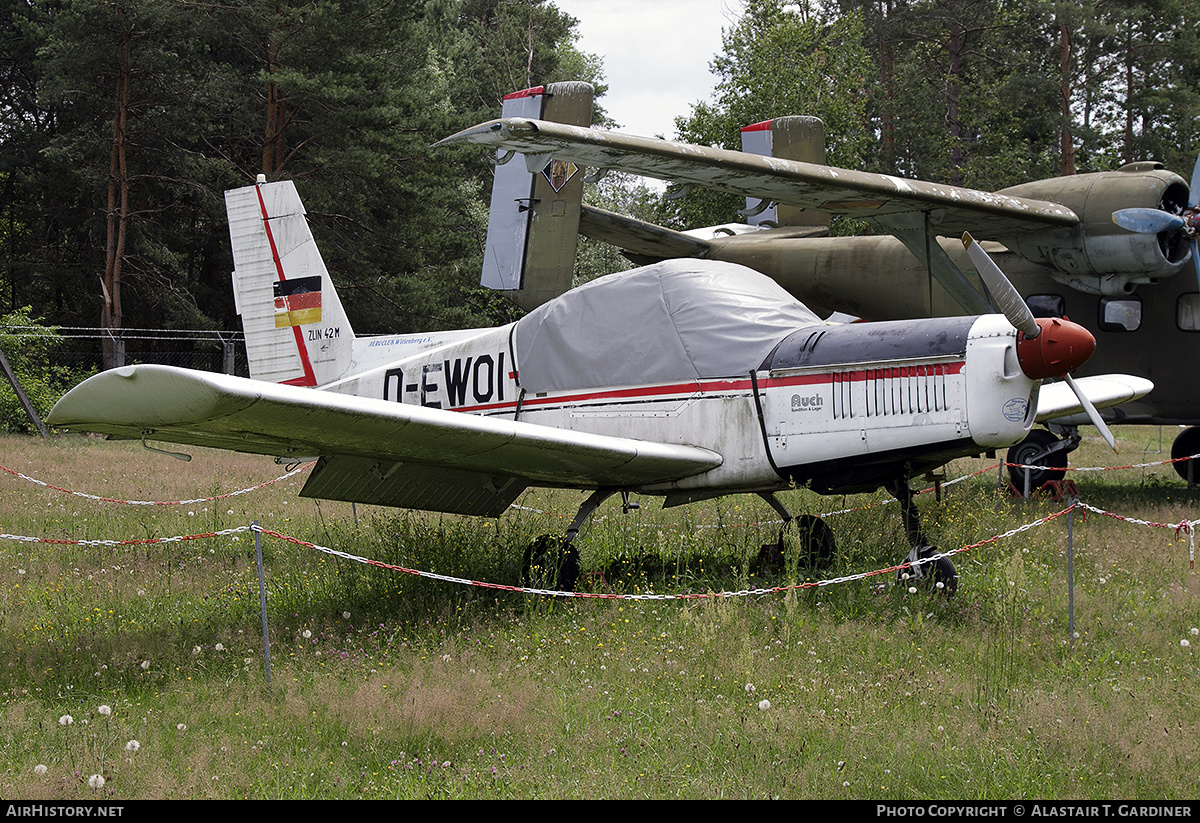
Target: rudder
533, 221
296, 330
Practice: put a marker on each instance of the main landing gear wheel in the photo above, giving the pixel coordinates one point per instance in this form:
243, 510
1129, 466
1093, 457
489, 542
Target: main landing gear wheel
814, 543
551, 562
1031, 452
923, 567
1185, 445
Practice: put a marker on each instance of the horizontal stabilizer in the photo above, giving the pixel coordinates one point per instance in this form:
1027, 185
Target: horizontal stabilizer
638, 237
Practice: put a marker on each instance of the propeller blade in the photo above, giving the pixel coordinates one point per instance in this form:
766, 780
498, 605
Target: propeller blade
1147, 221
1092, 414
1006, 295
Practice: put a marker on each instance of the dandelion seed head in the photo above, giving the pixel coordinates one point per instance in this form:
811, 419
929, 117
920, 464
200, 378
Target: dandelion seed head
181, 727
764, 704
750, 688
66, 720
1184, 642
96, 781
132, 746
912, 589
39, 769
104, 710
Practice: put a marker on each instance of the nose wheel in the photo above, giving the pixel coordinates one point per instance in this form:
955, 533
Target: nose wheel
1044, 450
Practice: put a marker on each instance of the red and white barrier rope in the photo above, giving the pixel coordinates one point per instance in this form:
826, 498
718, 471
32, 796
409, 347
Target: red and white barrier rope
86, 496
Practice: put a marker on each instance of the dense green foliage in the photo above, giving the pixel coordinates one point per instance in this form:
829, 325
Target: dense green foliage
27, 344
980, 93
125, 121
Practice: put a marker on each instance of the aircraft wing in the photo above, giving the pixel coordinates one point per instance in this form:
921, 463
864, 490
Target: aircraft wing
371, 451
1056, 400
892, 202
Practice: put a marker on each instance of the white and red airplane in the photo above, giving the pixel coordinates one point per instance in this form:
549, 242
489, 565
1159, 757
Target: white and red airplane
687, 379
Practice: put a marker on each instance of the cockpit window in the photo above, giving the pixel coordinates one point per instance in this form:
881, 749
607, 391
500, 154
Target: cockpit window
1187, 312
1046, 305
1120, 313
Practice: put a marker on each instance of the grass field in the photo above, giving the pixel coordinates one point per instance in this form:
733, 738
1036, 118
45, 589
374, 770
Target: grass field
388, 685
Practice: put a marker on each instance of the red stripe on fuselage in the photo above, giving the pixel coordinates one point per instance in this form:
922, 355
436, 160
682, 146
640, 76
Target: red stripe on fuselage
725, 386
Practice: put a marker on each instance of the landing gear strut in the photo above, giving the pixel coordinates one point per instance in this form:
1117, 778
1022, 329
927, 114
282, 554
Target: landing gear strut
551, 561
814, 540
922, 564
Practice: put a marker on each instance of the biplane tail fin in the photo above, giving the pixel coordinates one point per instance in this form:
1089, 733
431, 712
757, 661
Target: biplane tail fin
533, 222
789, 138
296, 330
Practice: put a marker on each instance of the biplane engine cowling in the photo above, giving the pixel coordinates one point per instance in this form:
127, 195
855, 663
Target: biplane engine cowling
1097, 255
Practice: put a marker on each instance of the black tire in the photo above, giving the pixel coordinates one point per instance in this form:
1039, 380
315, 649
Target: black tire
551, 563
814, 539
936, 571
1023, 454
1186, 444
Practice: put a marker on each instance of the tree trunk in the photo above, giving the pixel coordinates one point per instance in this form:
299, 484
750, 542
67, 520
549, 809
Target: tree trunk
1066, 145
117, 216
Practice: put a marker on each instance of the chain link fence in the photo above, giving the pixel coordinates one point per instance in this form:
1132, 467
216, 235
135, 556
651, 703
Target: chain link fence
79, 349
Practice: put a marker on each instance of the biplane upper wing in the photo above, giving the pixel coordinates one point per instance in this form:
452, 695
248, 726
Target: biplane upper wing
891, 202
370, 450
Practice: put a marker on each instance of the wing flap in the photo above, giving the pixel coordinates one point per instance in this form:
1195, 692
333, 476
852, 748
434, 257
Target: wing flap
867, 196
1057, 401
204, 409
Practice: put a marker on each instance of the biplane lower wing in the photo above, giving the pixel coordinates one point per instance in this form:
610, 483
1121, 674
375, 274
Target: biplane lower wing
370, 450
1056, 400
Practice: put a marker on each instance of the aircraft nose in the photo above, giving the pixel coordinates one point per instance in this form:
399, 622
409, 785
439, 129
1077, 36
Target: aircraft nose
1060, 348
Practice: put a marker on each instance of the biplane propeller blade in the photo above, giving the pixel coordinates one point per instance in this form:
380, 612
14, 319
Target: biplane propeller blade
1157, 221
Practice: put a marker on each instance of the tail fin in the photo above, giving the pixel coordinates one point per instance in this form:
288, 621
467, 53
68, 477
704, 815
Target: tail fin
789, 138
533, 223
296, 331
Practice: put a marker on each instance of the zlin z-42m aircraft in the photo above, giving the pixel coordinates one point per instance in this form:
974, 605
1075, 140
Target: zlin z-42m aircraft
1110, 250
684, 379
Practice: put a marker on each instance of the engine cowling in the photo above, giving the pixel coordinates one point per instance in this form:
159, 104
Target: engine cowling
1097, 255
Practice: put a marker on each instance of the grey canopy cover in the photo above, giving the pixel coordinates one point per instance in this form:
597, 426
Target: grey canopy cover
670, 321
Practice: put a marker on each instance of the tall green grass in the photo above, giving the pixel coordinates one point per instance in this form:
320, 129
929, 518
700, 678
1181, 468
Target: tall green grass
386, 684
